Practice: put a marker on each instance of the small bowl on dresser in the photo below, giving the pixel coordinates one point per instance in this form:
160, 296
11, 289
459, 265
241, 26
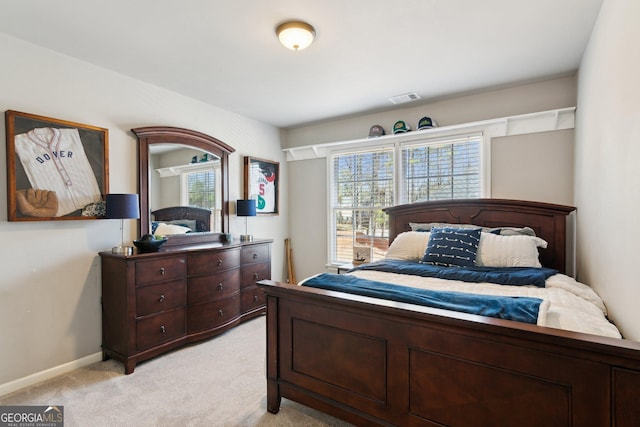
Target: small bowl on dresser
149, 245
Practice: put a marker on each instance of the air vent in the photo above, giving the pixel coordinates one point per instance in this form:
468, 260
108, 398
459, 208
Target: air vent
407, 97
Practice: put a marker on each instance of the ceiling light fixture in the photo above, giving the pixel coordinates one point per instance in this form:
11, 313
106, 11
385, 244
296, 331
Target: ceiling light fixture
295, 35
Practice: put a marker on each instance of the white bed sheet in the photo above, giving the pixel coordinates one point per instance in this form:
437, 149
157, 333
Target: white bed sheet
568, 304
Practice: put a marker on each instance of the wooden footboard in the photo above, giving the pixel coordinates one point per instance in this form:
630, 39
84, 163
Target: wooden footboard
375, 362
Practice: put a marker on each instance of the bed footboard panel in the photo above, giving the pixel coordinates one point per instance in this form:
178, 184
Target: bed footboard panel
336, 355
362, 371
384, 366
415, 375
626, 386
445, 390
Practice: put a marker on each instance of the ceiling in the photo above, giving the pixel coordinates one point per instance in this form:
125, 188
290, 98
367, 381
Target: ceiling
226, 53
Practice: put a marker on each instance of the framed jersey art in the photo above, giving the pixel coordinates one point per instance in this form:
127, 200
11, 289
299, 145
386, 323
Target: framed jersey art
56, 169
262, 183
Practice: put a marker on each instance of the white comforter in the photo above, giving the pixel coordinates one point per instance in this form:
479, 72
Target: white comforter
568, 304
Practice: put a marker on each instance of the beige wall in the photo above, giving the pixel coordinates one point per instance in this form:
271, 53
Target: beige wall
50, 282
516, 175
308, 223
607, 174
537, 166
491, 104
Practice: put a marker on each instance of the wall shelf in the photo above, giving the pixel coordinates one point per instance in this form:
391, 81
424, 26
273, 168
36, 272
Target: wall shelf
191, 167
544, 121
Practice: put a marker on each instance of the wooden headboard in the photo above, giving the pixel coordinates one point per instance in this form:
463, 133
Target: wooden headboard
200, 215
549, 221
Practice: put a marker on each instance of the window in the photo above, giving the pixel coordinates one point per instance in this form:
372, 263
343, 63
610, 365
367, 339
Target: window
200, 189
364, 182
441, 170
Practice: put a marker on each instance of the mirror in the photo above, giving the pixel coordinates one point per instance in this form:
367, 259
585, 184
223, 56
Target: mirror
183, 184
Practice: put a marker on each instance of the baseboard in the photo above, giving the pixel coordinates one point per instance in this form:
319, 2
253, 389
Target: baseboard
47, 374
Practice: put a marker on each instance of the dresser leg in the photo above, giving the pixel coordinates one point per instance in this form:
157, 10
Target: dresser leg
129, 366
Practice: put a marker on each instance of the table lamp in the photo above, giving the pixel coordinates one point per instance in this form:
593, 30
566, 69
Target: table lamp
246, 208
122, 206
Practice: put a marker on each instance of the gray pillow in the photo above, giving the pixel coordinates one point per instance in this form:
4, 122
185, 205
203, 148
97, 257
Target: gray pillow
503, 231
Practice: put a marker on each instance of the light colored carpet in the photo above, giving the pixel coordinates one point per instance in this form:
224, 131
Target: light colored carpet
219, 382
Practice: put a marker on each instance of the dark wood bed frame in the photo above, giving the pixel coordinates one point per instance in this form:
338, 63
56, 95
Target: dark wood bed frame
377, 362
200, 215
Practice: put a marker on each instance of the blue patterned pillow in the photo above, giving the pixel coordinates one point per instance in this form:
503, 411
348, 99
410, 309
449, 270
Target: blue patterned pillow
452, 247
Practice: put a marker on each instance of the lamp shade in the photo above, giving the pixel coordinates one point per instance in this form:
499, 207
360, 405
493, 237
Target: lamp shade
121, 206
246, 207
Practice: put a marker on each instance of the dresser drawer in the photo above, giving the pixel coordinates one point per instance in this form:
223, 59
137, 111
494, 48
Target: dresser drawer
213, 261
254, 272
255, 253
252, 297
157, 329
213, 286
212, 314
169, 268
160, 297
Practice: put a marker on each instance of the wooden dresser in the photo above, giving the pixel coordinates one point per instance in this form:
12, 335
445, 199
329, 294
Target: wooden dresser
155, 302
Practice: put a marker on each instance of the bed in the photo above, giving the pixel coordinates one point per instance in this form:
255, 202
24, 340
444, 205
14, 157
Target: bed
373, 361
181, 219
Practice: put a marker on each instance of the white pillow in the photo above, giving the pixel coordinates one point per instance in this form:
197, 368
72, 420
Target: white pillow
189, 223
509, 251
409, 245
164, 229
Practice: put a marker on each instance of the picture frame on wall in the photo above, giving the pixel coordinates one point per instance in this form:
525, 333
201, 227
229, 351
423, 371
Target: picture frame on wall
56, 169
362, 254
262, 183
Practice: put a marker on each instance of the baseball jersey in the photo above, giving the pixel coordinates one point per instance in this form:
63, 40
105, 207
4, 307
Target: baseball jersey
54, 160
267, 193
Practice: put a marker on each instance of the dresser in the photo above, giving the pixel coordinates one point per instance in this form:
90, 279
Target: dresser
155, 302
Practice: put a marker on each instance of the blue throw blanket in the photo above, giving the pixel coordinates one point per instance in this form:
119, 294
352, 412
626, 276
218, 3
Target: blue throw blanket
521, 309
517, 276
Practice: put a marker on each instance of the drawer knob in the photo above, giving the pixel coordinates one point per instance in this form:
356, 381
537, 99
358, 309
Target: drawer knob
163, 329
255, 298
162, 271
255, 256
221, 313
220, 286
256, 276
219, 262
161, 297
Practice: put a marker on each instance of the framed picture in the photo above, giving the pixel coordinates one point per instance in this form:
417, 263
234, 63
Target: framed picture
56, 169
262, 182
362, 254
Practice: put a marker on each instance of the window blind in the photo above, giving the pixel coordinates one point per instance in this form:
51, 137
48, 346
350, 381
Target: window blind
441, 170
362, 184
201, 189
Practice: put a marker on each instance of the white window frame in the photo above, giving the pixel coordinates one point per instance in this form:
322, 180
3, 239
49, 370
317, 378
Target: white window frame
330, 185
397, 146
184, 186
484, 169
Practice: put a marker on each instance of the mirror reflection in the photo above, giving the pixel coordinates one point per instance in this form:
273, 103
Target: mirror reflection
182, 176
184, 184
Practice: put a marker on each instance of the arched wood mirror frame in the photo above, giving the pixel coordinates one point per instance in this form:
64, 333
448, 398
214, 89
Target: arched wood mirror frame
147, 137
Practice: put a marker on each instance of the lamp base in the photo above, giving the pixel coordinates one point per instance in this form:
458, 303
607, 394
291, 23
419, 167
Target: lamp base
246, 238
122, 250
